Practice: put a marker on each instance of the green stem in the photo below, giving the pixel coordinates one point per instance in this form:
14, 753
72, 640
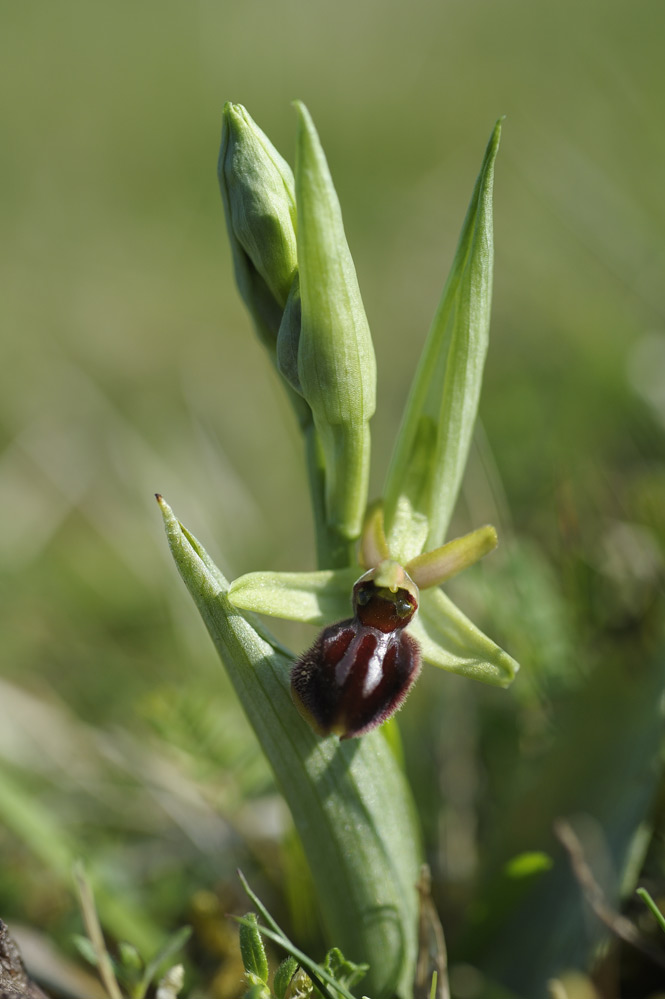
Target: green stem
333, 550
648, 900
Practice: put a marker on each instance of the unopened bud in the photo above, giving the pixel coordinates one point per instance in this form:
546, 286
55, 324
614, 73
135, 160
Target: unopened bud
336, 365
258, 192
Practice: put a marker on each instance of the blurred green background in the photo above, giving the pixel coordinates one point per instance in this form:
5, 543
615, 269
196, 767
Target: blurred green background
129, 367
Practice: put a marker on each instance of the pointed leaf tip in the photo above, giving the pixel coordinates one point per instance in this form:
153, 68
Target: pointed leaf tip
433, 443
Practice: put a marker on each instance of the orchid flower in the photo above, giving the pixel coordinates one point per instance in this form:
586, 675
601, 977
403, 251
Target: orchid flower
349, 798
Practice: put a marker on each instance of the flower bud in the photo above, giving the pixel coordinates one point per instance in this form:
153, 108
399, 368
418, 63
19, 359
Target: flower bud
253, 952
259, 203
336, 365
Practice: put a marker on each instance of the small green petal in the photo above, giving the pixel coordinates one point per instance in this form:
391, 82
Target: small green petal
433, 443
435, 567
373, 544
283, 976
312, 597
336, 364
288, 338
449, 640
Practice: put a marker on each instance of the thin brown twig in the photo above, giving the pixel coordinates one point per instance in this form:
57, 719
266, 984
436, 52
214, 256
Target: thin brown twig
432, 956
94, 932
593, 893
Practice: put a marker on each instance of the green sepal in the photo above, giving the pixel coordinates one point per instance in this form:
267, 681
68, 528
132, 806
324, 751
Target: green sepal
257, 990
336, 364
312, 597
288, 338
252, 951
448, 639
348, 799
433, 443
285, 972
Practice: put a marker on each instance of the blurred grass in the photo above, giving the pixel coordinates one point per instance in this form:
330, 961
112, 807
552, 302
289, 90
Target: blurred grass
129, 367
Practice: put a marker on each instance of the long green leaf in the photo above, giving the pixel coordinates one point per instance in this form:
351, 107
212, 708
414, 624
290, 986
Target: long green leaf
433, 443
350, 801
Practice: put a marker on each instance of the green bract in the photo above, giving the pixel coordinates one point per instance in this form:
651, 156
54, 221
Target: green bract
432, 447
336, 366
349, 801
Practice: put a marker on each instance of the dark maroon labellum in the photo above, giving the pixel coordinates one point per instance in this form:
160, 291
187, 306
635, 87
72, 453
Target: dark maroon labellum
358, 672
